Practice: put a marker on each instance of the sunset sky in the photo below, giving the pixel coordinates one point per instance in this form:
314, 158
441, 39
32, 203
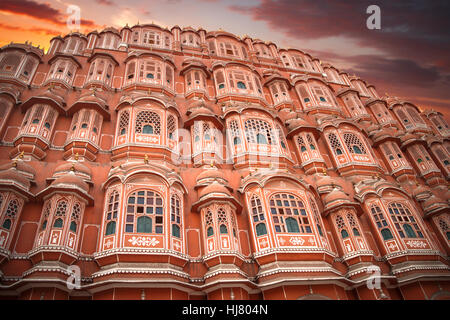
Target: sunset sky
409, 57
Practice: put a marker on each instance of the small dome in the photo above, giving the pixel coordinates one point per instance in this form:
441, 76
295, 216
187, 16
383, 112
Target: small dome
215, 187
16, 177
211, 174
420, 190
199, 107
407, 137
70, 180
335, 195
324, 181
21, 166
72, 166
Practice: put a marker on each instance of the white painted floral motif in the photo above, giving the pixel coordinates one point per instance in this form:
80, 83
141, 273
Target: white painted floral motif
296, 241
143, 241
416, 243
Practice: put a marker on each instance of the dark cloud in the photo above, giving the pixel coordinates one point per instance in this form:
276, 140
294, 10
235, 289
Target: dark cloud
41, 11
414, 29
414, 37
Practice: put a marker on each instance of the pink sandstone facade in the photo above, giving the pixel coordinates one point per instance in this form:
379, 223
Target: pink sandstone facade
186, 164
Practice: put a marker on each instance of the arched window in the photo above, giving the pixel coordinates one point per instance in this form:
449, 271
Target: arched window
404, 221
354, 144
60, 214
10, 213
110, 228
443, 225
353, 225
112, 209
75, 217
241, 85
284, 206
144, 224
292, 225
381, 222
340, 223
175, 215
209, 223
335, 143
171, 127
223, 229
10, 63
261, 139
149, 120
58, 223
147, 129
258, 215
124, 122
222, 221
235, 132
148, 204
258, 131
316, 216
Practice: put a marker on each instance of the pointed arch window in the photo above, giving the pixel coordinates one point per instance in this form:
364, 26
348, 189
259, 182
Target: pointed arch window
175, 215
112, 209
258, 131
284, 209
335, 143
148, 204
404, 221
60, 214
149, 121
354, 144
381, 222
209, 223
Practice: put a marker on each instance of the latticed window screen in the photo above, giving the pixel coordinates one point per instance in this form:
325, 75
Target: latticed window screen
75, 217
46, 214
353, 224
289, 214
148, 118
404, 221
10, 214
311, 141
175, 215
316, 216
301, 143
112, 210
281, 137
124, 122
38, 112
342, 227
381, 222
441, 155
171, 127
335, 143
234, 132
257, 130
354, 144
209, 223
443, 225
60, 213
61, 209
258, 215
145, 212
222, 221
414, 115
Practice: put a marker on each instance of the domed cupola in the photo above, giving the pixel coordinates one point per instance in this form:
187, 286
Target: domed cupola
19, 176
69, 178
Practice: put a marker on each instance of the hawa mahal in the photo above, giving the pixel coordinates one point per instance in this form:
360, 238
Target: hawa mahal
186, 164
